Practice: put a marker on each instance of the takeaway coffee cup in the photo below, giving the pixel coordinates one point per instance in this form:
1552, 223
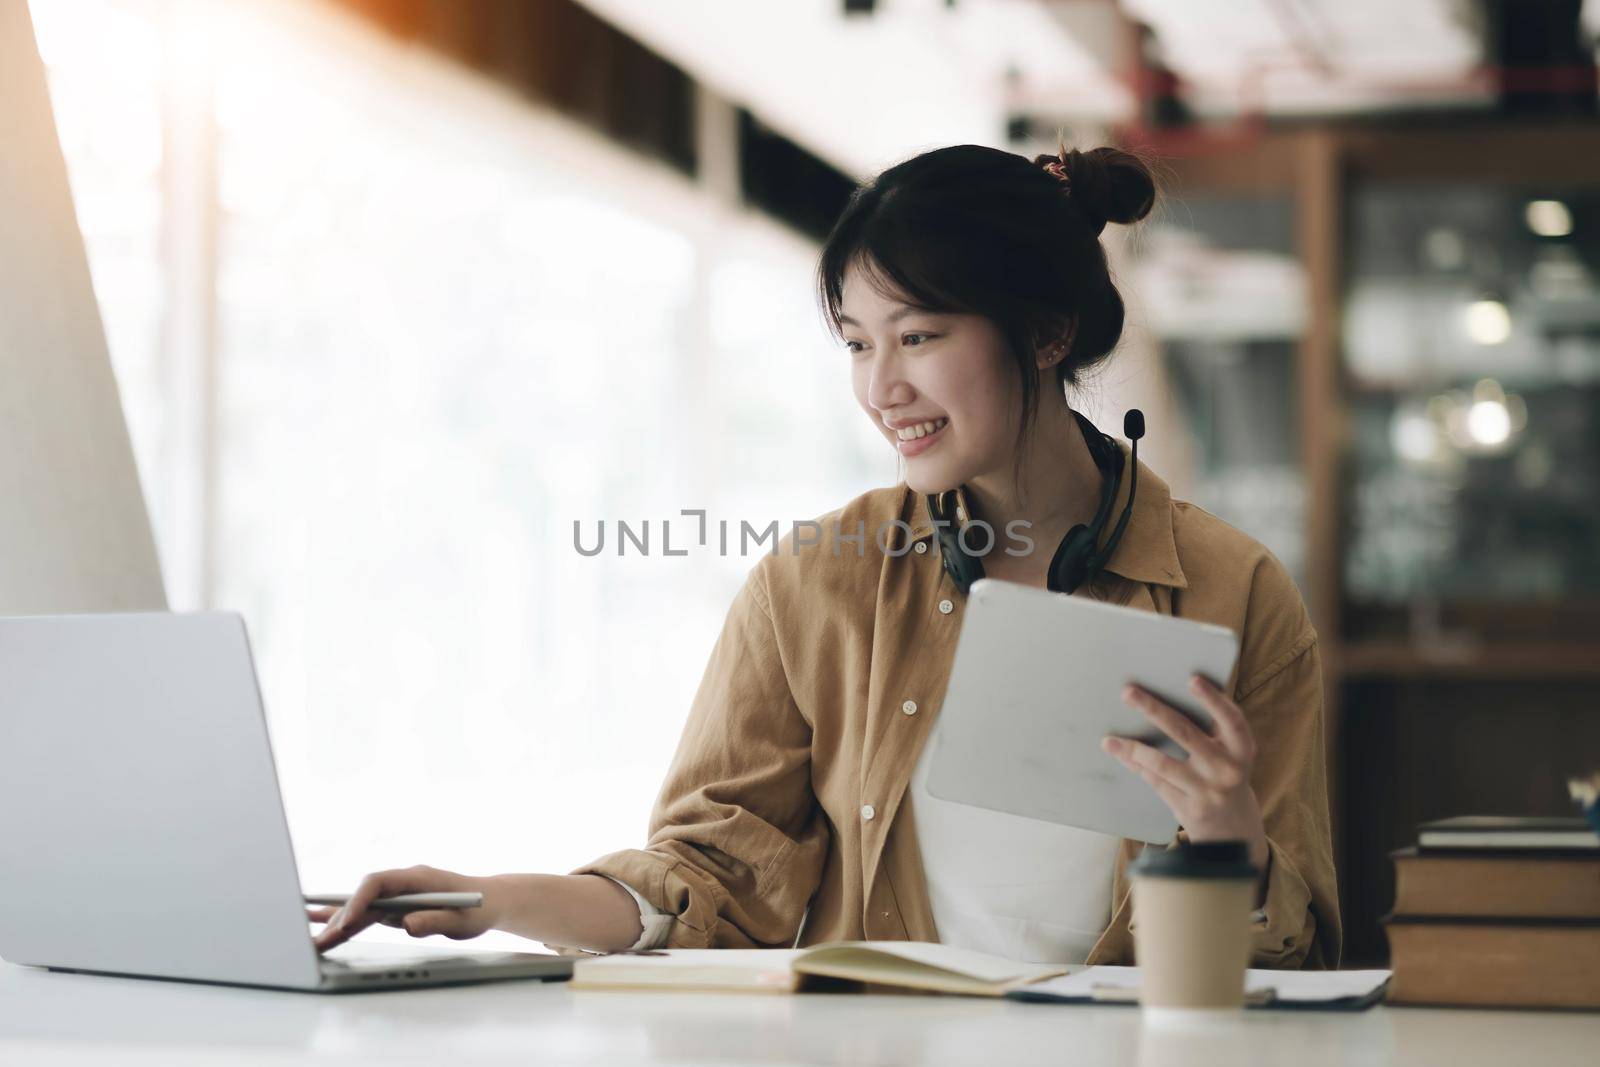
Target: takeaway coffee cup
1191, 927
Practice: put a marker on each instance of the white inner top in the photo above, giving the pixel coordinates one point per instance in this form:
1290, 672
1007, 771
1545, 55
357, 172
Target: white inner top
1010, 885
999, 883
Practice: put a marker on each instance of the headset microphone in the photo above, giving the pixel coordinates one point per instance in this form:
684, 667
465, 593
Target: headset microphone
1132, 429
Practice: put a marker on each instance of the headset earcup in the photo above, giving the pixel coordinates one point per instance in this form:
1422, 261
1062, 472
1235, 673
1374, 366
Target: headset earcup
964, 569
1071, 560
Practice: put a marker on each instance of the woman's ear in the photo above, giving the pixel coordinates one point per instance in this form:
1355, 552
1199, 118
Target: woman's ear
1052, 352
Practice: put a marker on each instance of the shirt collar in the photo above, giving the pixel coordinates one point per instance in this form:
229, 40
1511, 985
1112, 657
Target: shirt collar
1147, 552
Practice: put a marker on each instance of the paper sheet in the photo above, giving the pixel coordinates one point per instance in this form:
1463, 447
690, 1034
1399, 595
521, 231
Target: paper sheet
1304, 987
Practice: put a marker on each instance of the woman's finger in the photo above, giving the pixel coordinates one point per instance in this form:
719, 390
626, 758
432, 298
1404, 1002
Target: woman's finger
357, 915
328, 937
435, 921
320, 914
1233, 729
1203, 749
1176, 800
1139, 756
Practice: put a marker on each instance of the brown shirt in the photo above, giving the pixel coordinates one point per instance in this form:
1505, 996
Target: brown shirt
788, 788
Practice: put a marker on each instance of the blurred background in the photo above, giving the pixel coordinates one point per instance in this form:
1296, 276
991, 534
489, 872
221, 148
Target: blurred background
398, 291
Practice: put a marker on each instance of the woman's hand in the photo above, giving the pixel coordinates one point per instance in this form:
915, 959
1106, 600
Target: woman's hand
584, 910
1209, 793
341, 924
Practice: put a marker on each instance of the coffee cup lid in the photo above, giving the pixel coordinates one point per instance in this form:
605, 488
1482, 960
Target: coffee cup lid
1196, 859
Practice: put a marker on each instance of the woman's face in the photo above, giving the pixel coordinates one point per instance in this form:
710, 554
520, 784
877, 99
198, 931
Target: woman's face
941, 388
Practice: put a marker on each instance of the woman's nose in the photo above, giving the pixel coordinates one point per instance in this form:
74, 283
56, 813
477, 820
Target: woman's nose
887, 387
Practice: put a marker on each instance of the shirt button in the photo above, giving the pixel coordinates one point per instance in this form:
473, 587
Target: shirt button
920, 547
909, 707
946, 607
867, 812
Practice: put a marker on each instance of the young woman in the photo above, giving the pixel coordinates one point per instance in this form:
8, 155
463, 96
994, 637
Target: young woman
972, 293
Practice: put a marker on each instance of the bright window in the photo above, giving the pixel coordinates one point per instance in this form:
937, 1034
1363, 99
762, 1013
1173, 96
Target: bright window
444, 326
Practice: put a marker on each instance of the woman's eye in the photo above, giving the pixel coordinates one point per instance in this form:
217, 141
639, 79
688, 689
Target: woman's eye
850, 346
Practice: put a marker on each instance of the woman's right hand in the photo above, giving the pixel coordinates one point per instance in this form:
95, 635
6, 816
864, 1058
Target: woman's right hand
341, 924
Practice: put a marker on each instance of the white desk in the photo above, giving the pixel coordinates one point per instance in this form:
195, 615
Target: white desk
50, 1019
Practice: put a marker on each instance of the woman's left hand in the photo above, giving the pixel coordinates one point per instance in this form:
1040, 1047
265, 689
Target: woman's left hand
1210, 792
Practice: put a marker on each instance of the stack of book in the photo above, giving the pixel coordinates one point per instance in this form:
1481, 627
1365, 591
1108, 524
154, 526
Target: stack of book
1498, 911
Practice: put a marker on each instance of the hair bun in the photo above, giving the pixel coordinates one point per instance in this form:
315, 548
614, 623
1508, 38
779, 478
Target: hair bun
1107, 184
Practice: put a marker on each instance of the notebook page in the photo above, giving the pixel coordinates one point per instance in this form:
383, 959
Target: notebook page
690, 967
965, 962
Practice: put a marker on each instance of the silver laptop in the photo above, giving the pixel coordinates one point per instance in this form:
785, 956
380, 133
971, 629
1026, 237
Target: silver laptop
141, 827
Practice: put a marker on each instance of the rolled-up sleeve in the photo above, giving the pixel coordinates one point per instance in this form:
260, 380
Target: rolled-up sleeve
654, 927
737, 840
1284, 705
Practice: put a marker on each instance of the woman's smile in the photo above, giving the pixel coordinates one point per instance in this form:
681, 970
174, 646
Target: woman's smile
914, 440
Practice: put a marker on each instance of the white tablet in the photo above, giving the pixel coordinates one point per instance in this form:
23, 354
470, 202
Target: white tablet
1037, 682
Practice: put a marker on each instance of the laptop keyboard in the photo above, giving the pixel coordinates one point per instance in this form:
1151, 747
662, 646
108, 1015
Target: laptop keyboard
356, 962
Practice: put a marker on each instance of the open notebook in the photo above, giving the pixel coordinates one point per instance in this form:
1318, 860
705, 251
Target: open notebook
939, 968
906, 964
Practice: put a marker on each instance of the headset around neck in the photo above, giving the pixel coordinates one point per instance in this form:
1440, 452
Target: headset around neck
1076, 559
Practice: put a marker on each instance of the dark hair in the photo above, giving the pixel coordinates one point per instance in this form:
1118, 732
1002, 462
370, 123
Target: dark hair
972, 229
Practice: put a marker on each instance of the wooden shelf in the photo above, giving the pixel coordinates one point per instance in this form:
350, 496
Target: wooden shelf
1442, 725
1500, 659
